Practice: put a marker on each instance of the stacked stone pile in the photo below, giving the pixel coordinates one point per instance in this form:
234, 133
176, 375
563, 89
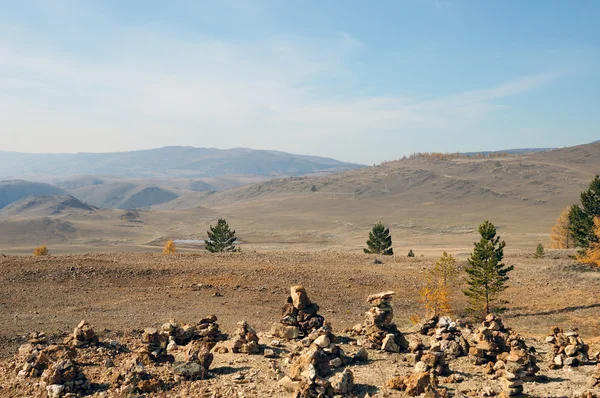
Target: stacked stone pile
326, 341
134, 379
378, 331
245, 339
64, 377
299, 316
160, 345
82, 336
36, 358
568, 349
309, 371
433, 361
448, 334
416, 384
505, 354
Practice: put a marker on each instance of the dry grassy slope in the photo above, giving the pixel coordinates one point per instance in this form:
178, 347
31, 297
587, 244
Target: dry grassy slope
419, 198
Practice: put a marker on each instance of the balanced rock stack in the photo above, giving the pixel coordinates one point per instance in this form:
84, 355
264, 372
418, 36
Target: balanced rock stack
326, 340
505, 354
448, 334
83, 335
64, 377
568, 349
299, 316
35, 358
378, 330
160, 344
245, 339
433, 361
134, 379
415, 384
309, 370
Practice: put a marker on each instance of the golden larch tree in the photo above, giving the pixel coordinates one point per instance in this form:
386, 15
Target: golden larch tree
169, 248
560, 237
440, 280
592, 254
41, 251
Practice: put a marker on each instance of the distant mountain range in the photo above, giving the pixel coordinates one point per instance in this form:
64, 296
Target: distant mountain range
174, 161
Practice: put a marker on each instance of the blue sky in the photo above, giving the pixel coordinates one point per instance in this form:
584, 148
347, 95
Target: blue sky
354, 80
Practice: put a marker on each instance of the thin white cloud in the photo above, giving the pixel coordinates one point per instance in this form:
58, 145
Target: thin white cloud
154, 89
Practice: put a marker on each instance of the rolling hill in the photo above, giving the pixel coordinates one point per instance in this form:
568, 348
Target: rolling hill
168, 162
14, 190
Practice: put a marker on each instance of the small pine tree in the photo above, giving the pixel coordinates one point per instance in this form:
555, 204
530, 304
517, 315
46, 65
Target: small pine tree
560, 237
220, 238
41, 251
539, 251
169, 248
410, 253
486, 274
592, 254
380, 241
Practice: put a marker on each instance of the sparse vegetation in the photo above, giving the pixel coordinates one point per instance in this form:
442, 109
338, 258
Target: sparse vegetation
440, 282
560, 237
592, 253
41, 251
487, 275
539, 251
169, 247
380, 241
410, 253
581, 218
313, 188
220, 238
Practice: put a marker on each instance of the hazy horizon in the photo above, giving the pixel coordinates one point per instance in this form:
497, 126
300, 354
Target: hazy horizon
358, 83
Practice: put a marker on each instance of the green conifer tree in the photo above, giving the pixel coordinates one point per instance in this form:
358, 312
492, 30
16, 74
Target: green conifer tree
410, 253
380, 241
581, 218
539, 251
220, 238
486, 274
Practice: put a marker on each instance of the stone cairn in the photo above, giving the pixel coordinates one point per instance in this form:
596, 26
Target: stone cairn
505, 355
448, 334
54, 364
299, 316
378, 331
82, 336
245, 339
188, 347
134, 379
568, 349
311, 366
415, 384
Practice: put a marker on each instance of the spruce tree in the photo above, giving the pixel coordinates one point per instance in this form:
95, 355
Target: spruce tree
380, 241
486, 274
539, 251
581, 218
220, 238
410, 253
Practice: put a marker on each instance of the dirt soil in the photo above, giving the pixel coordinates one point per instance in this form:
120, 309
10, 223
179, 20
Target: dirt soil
120, 294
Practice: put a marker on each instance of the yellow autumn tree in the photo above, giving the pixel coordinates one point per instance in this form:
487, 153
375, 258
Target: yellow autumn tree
169, 248
560, 237
440, 280
41, 251
592, 254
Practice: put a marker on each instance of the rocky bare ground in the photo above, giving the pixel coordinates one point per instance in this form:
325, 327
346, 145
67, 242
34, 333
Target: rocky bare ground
128, 348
